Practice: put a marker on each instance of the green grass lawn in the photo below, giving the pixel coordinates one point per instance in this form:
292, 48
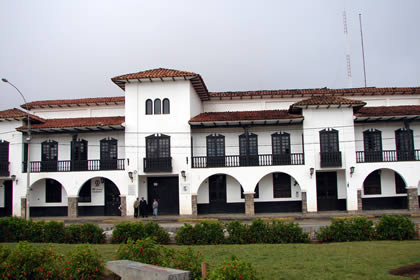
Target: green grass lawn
352, 260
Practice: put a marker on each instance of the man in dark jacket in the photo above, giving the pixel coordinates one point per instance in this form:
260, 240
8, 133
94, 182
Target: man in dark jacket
143, 207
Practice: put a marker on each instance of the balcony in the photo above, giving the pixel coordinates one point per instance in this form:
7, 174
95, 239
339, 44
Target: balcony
238, 161
157, 164
387, 156
4, 169
79, 165
330, 159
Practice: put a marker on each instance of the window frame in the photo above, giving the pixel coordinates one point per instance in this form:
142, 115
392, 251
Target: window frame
216, 143
149, 107
161, 145
49, 150
157, 104
53, 191
329, 141
373, 178
281, 189
108, 149
166, 108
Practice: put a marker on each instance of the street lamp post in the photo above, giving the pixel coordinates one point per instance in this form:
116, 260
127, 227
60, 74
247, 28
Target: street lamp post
28, 164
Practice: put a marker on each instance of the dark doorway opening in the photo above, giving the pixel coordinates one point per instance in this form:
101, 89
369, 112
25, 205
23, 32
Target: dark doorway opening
326, 188
7, 210
112, 199
166, 191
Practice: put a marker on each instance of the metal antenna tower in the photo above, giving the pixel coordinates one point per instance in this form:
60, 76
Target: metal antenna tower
348, 61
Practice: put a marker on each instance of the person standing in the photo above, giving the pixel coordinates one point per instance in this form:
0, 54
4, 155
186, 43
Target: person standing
136, 207
155, 206
143, 207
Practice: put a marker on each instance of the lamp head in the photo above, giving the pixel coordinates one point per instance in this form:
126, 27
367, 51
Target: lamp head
4, 80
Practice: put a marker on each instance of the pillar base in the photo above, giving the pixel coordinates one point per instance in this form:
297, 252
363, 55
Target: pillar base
194, 205
304, 203
249, 204
123, 205
23, 207
359, 201
413, 200
72, 206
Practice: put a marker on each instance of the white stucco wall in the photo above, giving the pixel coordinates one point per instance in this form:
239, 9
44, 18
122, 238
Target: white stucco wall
37, 195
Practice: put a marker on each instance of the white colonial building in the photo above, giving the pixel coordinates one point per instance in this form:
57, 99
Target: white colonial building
201, 152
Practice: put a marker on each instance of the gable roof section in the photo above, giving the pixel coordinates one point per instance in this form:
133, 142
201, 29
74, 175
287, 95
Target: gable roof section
164, 74
62, 103
78, 124
245, 117
316, 91
327, 101
16, 114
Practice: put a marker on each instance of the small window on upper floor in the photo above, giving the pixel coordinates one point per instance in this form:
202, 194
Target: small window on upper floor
149, 107
157, 106
166, 107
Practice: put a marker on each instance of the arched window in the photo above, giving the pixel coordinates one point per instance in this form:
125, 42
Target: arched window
157, 106
166, 107
149, 107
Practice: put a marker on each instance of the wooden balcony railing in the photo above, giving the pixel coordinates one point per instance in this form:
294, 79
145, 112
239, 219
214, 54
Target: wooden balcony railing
257, 160
157, 164
387, 156
4, 169
330, 159
79, 165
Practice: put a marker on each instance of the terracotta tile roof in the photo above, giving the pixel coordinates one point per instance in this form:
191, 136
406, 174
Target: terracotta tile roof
69, 102
18, 114
77, 122
317, 91
163, 74
388, 111
244, 116
327, 100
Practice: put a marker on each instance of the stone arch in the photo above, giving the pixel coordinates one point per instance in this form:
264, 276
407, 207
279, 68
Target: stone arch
219, 192
99, 196
382, 189
279, 191
48, 203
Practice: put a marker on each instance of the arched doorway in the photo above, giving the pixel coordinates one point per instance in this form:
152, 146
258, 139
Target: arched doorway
220, 193
47, 198
277, 192
384, 189
99, 197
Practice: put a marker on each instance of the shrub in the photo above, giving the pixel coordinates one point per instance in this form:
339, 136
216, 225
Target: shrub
202, 233
237, 232
135, 231
155, 231
91, 233
150, 252
257, 231
54, 232
395, 228
27, 262
83, 262
281, 232
232, 270
37, 231
73, 234
13, 229
354, 229
121, 232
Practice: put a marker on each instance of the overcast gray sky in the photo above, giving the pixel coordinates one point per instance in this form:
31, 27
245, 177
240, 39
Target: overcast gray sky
70, 49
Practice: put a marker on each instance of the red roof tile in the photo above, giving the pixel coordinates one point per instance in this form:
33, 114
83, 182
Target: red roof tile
327, 100
18, 114
244, 116
318, 91
388, 111
78, 122
161, 73
69, 102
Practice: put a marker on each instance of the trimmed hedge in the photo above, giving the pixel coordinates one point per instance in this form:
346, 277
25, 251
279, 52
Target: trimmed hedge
362, 229
13, 229
257, 232
139, 230
232, 270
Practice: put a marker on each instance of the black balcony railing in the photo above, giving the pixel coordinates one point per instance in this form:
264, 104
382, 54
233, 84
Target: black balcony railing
157, 164
4, 169
238, 161
330, 159
387, 156
75, 165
